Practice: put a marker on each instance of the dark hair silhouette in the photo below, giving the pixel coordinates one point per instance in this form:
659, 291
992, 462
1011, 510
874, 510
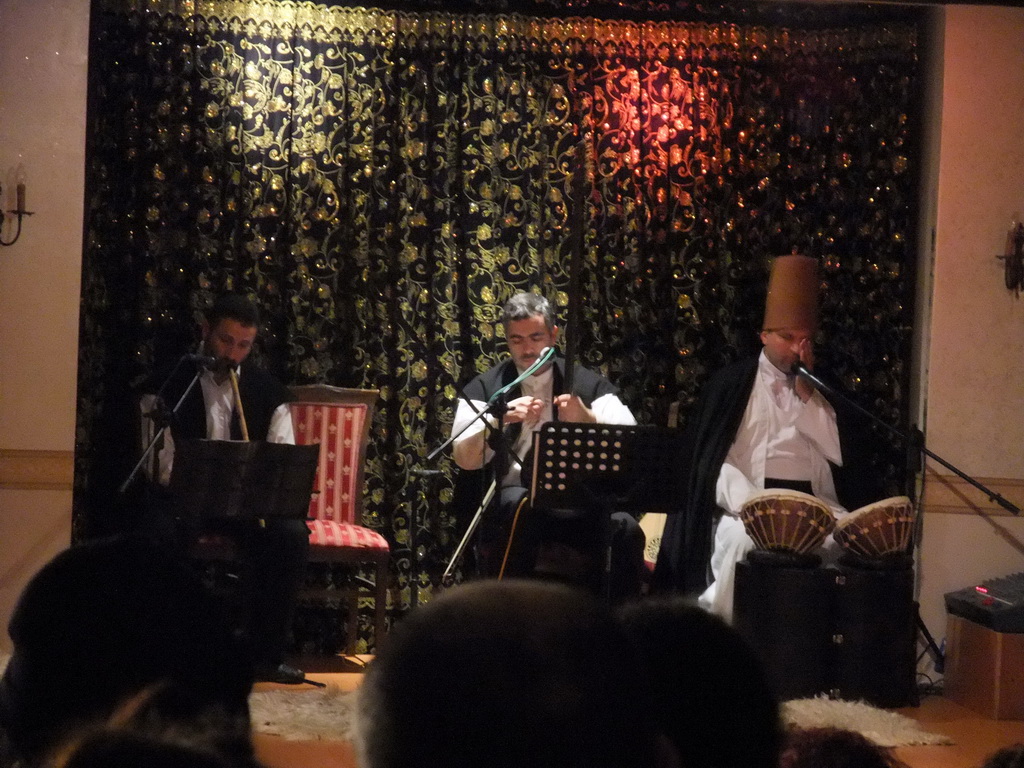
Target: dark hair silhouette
505, 674
711, 694
103, 621
834, 748
233, 307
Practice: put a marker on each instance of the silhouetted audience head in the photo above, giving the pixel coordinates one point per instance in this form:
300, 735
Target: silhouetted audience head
1007, 757
834, 748
127, 749
103, 621
505, 674
711, 693
162, 727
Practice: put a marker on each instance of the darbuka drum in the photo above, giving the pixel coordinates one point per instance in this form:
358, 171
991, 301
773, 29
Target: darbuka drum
878, 530
786, 521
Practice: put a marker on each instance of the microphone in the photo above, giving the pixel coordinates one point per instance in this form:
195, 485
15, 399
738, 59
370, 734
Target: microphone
799, 369
215, 364
203, 361
542, 359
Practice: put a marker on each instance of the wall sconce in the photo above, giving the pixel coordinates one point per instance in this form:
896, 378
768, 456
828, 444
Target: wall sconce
1013, 260
19, 209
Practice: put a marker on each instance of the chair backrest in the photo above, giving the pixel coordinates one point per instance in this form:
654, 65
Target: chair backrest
339, 419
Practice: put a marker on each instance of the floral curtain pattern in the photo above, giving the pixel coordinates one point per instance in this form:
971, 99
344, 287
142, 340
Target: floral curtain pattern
380, 182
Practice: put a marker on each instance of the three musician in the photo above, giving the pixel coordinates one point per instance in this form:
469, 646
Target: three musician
756, 426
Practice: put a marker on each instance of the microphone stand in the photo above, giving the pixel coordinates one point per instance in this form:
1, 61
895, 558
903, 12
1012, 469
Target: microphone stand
915, 444
165, 418
496, 406
497, 399
916, 441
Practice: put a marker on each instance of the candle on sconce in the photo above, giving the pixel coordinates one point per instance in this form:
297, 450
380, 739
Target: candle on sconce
19, 210
19, 188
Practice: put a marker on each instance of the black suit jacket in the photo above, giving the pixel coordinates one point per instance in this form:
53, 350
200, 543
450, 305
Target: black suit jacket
587, 385
260, 393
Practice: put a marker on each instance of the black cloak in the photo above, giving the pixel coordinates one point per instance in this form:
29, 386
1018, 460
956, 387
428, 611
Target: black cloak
710, 429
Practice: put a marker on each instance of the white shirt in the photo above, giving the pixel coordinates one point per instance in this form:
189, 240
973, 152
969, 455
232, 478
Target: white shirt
219, 399
783, 437
470, 449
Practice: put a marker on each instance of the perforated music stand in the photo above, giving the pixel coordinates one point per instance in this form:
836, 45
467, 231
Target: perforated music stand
231, 479
597, 469
612, 467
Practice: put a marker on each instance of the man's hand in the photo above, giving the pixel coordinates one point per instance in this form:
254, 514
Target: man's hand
804, 388
571, 408
524, 409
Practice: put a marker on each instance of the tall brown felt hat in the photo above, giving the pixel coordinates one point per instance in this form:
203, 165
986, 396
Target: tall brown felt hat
792, 300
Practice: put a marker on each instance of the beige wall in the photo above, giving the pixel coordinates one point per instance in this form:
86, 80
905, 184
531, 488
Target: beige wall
974, 392
971, 345
43, 56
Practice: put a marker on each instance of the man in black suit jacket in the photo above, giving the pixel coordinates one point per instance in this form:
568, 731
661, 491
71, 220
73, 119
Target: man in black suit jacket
274, 550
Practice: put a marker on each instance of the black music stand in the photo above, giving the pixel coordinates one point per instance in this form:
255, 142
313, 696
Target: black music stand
620, 468
581, 469
231, 479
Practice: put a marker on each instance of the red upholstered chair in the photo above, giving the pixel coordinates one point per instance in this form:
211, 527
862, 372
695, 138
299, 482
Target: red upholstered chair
339, 419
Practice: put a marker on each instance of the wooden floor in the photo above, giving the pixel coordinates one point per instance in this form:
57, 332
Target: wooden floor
975, 737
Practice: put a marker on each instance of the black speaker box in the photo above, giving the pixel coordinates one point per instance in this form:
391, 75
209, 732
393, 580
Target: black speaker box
843, 631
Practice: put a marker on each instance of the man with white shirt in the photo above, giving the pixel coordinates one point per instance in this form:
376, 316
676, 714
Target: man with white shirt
275, 550
530, 329
758, 426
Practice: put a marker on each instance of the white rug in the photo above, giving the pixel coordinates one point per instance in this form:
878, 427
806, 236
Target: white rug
321, 714
887, 729
326, 715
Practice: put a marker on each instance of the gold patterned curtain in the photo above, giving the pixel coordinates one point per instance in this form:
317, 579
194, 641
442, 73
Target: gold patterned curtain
381, 181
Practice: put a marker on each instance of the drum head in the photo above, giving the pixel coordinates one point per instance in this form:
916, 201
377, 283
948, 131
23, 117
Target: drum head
880, 531
883, 507
785, 493
786, 521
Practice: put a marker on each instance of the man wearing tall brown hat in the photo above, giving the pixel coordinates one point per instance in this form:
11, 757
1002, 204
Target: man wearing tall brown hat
757, 425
